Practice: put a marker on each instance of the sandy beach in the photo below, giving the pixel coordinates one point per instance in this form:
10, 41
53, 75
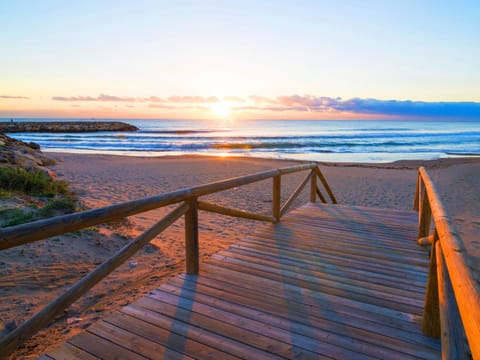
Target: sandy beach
34, 274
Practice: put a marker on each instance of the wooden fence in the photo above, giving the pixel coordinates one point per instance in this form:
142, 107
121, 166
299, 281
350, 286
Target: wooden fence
189, 206
452, 299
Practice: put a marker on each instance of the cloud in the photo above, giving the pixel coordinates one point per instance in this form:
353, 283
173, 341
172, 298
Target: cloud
270, 108
13, 97
101, 97
193, 99
299, 103
400, 108
178, 107
261, 100
235, 99
154, 99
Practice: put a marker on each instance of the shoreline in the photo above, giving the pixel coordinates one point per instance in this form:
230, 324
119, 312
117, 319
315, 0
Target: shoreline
36, 273
397, 164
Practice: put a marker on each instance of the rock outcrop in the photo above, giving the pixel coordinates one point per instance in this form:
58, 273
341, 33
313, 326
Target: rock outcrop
65, 126
28, 156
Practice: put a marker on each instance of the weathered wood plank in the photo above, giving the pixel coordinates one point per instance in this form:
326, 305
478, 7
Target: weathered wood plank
166, 338
67, 351
102, 348
199, 334
322, 324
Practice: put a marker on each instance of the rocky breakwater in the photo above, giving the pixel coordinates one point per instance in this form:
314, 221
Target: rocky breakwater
65, 126
28, 156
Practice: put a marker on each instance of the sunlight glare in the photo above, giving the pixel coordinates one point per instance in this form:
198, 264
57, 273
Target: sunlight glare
221, 109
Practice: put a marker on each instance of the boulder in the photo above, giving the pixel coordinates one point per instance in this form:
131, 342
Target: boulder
15, 152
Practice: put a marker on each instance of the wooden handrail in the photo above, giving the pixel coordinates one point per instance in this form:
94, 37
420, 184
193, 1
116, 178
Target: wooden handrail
208, 206
48, 313
465, 288
22, 234
26, 233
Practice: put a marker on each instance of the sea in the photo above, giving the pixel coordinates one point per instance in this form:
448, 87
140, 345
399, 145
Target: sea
322, 140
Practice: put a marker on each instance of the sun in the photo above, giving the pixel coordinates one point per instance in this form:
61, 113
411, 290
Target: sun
221, 109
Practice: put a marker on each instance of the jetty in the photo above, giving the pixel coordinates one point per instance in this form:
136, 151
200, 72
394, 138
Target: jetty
64, 126
324, 280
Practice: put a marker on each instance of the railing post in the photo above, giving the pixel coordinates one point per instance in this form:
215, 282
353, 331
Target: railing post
417, 192
313, 185
277, 185
431, 310
191, 237
424, 216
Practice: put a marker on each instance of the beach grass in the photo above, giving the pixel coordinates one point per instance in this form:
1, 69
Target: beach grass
34, 182
42, 196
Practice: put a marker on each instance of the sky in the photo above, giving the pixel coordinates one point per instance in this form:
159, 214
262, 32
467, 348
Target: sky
261, 59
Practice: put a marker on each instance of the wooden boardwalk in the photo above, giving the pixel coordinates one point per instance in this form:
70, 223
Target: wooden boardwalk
328, 281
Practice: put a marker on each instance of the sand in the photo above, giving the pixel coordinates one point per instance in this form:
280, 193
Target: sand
33, 274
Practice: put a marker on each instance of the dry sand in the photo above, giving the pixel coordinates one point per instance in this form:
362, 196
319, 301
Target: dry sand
34, 274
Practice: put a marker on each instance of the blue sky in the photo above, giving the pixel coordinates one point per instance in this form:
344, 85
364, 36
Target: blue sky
388, 53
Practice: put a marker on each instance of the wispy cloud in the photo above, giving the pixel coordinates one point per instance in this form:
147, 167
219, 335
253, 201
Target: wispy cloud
193, 99
13, 97
101, 97
178, 107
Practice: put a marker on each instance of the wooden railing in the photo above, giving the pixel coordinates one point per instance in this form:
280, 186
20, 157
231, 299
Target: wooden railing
190, 204
452, 299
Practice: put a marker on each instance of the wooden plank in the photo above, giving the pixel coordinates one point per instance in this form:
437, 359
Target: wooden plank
207, 206
199, 334
319, 240
133, 342
263, 336
332, 261
166, 338
319, 324
311, 297
102, 348
358, 293
346, 256
337, 248
67, 351
328, 268
253, 333
317, 279
48, 313
325, 331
